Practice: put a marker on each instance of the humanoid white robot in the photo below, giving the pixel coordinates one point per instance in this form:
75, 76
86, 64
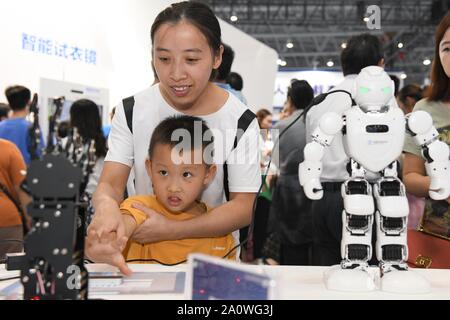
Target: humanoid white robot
373, 137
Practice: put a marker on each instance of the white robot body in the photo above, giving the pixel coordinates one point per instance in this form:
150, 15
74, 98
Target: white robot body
374, 139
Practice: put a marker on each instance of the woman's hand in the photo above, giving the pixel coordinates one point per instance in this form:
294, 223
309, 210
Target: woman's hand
155, 229
107, 249
107, 219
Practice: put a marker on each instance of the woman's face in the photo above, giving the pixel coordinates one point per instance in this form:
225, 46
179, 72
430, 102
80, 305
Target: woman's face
267, 122
444, 52
183, 61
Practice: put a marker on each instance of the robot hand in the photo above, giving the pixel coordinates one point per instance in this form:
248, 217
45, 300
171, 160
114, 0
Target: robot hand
311, 185
309, 171
435, 152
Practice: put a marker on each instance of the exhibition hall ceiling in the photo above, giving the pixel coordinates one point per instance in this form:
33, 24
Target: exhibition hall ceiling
310, 34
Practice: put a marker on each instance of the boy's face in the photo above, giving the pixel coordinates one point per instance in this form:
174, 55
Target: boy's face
177, 186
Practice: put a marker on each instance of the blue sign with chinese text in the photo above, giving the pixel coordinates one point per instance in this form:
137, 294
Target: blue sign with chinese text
58, 49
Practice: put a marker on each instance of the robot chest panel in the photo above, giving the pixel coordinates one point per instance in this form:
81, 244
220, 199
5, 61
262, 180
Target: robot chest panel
374, 139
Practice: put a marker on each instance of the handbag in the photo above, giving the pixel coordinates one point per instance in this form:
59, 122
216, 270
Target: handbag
427, 251
429, 246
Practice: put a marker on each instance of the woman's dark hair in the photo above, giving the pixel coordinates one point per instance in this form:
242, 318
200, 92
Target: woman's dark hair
440, 82
196, 13
300, 93
85, 116
261, 115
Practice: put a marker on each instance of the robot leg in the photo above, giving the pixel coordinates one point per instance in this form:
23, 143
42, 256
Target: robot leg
356, 247
391, 247
357, 220
391, 219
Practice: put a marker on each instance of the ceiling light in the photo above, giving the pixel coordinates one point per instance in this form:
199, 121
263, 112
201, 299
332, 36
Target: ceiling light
343, 45
426, 62
233, 18
403, 76
330, 63
289, 45
283, 63
400, 45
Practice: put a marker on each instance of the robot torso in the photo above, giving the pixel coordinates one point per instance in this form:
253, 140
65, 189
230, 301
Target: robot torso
374, 139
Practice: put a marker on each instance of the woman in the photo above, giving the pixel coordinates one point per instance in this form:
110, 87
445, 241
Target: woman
85, 118
437, 213
186, 52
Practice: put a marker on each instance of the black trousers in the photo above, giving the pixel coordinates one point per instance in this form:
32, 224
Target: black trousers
327, 226
292, 220
296, 255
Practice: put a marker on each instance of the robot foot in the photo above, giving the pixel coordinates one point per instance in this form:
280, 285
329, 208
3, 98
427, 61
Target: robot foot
350, 280
404, 281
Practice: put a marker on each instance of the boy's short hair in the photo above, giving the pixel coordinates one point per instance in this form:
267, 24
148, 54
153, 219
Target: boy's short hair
176, 129
18, 97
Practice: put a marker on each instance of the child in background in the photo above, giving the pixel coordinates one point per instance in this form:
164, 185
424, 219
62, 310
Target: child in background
178, 178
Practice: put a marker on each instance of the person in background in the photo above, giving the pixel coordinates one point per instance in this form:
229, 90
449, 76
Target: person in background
13, 200
436, 217
258, 235
224, 70
16, 128
4, 111
408, 96
236, 82
85, 117
107, 127
290, 213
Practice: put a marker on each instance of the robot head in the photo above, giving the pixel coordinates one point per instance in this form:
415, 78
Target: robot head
374, 89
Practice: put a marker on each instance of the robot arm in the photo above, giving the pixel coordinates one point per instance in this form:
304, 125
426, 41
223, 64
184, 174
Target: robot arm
435, 152
310, 169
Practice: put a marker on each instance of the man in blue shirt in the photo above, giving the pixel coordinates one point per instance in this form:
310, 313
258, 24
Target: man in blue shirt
16, 128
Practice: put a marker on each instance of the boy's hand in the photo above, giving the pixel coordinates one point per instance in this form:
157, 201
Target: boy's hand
107, 249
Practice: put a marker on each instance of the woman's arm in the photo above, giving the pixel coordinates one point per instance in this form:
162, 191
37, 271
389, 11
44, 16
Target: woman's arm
107, 198
414, 175
228, 217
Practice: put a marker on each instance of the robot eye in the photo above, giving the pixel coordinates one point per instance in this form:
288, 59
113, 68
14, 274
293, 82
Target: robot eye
386, 90
364, 90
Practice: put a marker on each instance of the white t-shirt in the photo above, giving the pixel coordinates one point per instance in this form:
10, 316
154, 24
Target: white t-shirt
335, 159
150, 108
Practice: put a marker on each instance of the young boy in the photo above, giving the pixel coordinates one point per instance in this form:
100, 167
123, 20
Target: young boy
179, 175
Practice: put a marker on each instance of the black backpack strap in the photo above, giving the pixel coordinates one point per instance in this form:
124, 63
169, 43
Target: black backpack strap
128, 104
242, 126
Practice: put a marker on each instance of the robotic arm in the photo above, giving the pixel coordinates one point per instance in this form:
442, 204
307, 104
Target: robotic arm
310, 170
435, 152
